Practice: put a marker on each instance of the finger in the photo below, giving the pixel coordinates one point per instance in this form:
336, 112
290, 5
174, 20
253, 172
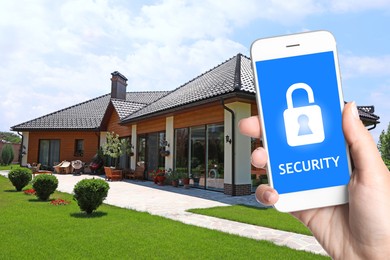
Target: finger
266, 195
250, 126
259, 157
363, 149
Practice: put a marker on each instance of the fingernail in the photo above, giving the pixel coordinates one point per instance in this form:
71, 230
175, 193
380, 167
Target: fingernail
354, 110
268, 196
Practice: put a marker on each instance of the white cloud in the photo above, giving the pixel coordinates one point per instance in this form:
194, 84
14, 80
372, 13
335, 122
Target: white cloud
358, 5
58, 53
360, 66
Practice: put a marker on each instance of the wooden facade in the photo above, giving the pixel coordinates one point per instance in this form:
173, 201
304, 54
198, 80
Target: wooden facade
207, 114
67, 144
114, 125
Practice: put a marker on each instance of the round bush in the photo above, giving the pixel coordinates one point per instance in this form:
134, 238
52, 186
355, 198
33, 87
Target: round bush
90, 193
20, 177
45, 185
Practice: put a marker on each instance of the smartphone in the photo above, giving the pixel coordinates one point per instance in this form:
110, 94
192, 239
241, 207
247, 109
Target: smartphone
300, 104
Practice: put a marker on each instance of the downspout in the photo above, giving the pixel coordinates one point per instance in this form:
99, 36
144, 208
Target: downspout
21, 149
233, 147
373, 127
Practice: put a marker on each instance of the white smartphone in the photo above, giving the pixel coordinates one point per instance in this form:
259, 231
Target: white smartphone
300, 104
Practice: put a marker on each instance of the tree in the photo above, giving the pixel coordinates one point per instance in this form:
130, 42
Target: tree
115, 147
7, 154
384, 146
10, 137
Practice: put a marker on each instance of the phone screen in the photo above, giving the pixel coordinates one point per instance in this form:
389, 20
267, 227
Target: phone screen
300, 103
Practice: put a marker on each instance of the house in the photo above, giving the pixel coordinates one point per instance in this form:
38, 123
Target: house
194, 125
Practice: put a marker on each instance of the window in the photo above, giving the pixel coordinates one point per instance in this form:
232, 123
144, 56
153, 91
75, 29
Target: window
199, 151
79, 148
49, 152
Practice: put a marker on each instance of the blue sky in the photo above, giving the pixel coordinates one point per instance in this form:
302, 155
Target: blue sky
55, 54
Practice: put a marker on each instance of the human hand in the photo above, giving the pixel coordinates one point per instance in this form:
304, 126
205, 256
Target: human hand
360, 228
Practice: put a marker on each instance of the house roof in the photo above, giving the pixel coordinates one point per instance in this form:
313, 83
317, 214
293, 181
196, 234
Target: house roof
232, 76
88, 115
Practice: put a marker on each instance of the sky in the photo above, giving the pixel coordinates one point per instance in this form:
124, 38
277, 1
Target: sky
55, 54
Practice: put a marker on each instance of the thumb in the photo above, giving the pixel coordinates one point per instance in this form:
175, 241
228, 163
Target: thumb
364, 152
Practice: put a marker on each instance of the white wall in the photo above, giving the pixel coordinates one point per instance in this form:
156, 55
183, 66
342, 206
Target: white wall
242, 146
134, 143
169, 136
25, 143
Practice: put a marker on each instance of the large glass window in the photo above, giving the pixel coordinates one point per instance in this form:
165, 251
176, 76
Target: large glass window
215, 154
198, 155
149, 147
181, 150
201, 149
49, 152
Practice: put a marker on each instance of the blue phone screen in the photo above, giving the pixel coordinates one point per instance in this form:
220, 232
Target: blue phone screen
301, 113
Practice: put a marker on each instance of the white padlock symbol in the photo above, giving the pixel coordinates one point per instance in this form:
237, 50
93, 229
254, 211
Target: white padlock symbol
303, 125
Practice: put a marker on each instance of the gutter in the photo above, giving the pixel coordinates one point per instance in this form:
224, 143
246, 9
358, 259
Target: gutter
21, 149
233, 147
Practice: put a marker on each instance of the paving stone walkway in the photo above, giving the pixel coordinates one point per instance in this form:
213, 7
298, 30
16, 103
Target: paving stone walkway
173, 203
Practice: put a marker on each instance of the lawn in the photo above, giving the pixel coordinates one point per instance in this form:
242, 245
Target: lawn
9, 167
265, 217
39, 230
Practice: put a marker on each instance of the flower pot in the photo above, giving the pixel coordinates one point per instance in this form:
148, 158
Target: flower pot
160, 180
175, 183
164, 153
186, 183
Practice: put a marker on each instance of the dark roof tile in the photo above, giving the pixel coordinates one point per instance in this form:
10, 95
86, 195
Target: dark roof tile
232, 75
89, 114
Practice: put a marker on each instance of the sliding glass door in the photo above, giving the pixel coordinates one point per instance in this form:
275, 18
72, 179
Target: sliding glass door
49, 152
199, 151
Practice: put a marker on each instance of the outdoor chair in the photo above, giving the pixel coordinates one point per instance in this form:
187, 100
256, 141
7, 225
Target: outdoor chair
63, 167
35, 167
77, 165
139, 173
128, 173
112, 174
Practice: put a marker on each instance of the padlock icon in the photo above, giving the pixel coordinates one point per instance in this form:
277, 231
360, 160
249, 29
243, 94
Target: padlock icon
303, 125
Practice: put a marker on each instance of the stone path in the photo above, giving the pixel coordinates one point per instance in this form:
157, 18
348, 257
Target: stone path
173, 203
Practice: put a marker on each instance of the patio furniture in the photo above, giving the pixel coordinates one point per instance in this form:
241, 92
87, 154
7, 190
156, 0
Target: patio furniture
41, 172
35, 167
128, 173
112, 174
139, 173
63, 167
77, 165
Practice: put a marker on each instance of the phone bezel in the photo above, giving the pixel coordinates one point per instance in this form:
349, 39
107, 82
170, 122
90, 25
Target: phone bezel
290, 46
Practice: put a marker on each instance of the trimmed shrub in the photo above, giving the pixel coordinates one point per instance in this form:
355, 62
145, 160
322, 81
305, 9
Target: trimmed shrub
45, 185
7, 154
20, 177
90, 193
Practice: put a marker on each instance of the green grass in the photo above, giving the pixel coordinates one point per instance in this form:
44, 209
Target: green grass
39, 230
265, 217
9, 167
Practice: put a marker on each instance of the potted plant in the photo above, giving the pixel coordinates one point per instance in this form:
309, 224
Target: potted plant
115, 147
196, 178
158, 176
174, 177
185, 180
163, 148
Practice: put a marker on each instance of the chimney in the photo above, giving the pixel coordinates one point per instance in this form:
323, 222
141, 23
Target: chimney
118, 86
